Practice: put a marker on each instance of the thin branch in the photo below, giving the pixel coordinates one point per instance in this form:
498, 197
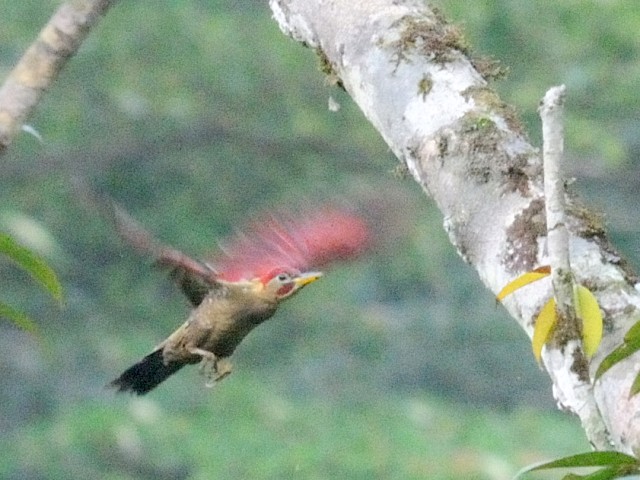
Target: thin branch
576, 387
552, 116
38, 68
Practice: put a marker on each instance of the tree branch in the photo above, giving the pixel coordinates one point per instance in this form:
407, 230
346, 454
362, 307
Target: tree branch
552, 113
36, 71
413, 77
576, 387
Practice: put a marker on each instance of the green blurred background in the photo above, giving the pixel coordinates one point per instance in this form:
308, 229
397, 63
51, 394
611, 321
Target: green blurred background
196, 114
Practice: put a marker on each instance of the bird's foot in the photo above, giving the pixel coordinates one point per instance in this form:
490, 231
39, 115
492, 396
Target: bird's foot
213, 368
208, 369
223, 368
216, 371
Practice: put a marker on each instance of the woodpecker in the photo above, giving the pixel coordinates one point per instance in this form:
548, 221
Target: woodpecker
258, 269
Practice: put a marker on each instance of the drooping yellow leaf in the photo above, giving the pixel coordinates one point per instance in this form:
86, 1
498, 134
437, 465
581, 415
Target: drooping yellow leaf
524, 280
588, 311
544, 327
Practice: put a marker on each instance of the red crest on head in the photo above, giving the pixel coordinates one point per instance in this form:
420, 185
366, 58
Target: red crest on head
278, 244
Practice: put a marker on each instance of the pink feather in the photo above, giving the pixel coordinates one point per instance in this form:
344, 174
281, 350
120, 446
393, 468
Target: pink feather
310, 242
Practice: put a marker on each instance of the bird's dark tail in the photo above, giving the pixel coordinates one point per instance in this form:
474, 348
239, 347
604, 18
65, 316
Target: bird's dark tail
146, 375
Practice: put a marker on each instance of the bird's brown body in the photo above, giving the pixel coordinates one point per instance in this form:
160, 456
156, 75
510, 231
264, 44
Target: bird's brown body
212, 332
228, 304
216, 326
225, 316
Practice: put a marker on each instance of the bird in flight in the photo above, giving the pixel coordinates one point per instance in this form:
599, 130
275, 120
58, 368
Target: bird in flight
256, 269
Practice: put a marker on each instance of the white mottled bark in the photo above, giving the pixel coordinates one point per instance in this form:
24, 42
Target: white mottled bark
573, 389
411, 75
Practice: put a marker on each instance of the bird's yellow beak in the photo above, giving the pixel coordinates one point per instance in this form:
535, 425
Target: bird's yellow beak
307, 278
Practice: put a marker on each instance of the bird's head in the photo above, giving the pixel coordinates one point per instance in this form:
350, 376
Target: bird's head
282, 283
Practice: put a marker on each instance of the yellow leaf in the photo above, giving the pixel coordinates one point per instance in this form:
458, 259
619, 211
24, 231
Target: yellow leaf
544, 327
524, 280
588, 311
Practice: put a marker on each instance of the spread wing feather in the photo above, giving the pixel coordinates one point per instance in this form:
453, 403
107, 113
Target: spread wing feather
309, 241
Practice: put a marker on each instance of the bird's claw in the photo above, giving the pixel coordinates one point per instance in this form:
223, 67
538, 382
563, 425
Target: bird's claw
214, 369
223, 368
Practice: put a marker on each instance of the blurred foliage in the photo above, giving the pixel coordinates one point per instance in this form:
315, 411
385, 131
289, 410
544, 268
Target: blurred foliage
35, 266
590, 46
248, 429
197, 114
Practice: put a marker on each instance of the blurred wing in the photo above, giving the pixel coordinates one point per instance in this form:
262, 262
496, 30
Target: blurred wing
312, 241
194, 278
193, 286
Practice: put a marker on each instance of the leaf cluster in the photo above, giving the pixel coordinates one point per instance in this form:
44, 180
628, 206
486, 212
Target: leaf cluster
615, 464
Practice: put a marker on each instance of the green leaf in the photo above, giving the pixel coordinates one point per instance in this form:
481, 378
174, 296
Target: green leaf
635, 387
620, 461
17, 317
32, 264
629, 347
633, 333
603, 474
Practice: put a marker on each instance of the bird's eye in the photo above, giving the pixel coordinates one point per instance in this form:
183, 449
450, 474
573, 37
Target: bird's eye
283, 277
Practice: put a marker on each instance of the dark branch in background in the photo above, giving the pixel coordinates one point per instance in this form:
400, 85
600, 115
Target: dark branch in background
38, 68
